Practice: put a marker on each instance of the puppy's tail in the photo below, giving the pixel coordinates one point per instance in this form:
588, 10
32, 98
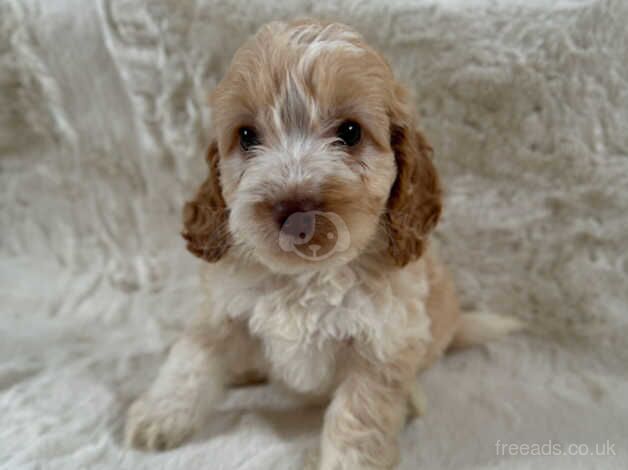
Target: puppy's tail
479, 327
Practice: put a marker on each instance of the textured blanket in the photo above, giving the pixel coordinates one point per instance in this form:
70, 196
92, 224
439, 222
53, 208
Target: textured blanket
103, 126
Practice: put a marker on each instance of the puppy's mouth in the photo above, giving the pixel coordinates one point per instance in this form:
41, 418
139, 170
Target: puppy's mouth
295, 234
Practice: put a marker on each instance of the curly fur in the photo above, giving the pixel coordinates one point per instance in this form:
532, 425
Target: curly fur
205, 217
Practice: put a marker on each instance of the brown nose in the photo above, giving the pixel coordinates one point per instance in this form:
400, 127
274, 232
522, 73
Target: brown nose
302, 211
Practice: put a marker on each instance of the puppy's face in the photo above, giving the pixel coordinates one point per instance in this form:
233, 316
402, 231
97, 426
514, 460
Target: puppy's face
312, 141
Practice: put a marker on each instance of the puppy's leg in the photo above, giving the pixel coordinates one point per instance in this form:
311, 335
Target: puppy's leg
189, 384
244, 357
417, 401
366, 415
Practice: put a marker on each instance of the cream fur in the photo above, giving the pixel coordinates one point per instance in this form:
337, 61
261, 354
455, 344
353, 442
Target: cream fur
357, 332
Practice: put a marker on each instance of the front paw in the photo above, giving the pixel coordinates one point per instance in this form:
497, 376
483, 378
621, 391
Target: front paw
158, 424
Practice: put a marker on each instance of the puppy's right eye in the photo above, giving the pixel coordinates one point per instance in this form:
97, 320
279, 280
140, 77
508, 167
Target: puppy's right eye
349, 133
248, 138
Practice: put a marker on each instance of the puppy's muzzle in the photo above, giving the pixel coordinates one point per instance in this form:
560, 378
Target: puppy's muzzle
296, 218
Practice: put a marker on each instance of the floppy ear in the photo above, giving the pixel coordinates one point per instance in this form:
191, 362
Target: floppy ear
206, 217
415, 201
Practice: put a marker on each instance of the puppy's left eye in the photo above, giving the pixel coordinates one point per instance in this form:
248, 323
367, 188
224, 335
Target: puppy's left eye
350, 133
248, 138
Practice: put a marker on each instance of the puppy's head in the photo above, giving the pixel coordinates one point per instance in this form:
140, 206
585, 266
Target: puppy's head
316, 155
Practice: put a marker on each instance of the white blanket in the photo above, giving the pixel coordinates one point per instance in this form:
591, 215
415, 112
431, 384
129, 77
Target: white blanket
103, 125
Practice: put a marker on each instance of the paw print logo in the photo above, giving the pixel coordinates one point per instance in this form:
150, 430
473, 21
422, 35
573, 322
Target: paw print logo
314, 235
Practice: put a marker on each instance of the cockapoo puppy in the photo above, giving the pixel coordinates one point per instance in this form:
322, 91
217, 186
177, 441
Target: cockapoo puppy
314, 221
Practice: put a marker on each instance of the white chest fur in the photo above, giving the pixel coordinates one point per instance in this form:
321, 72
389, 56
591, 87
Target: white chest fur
304, 320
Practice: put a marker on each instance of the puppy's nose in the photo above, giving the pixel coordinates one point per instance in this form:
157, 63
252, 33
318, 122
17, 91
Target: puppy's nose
282, 210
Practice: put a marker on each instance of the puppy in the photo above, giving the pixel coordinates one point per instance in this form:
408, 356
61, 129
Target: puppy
314, 220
